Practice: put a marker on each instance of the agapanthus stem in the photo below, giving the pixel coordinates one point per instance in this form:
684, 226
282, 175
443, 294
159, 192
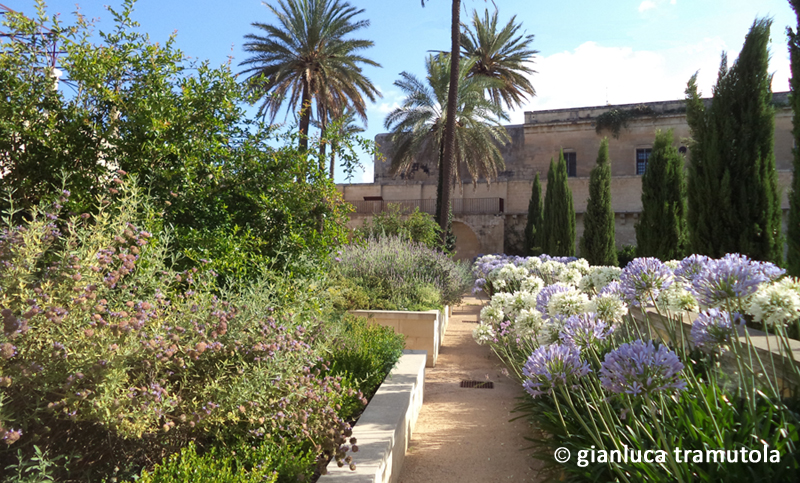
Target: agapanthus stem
663, 439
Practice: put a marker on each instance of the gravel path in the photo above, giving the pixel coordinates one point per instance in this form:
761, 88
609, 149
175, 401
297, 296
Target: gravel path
464, 435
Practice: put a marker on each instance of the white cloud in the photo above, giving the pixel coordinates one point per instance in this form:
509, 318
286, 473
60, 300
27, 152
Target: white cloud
595, 75
647, 5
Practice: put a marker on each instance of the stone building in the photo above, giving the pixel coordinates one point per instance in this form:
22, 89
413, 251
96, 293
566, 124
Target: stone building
489, 217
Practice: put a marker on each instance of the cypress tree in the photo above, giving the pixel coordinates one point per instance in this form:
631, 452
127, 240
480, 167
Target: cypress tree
558, 222
733, 196
598, 245
533, 229
793, 230
661, 230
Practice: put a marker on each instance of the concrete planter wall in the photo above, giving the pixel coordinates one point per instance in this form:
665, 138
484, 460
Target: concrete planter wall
385, 427
423, 330
765, 345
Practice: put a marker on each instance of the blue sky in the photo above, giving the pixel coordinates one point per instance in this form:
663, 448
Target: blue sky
590, 52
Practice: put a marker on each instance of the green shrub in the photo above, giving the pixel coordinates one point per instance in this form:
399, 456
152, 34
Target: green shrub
243, 462
112, 358
394, 274
366, 352
211, 467
417, 226
234, 196
626, 254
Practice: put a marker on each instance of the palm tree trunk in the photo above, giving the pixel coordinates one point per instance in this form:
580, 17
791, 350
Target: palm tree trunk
305, 116
450, 124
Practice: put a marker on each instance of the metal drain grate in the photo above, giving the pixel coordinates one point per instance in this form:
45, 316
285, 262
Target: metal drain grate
471, 321
478, 384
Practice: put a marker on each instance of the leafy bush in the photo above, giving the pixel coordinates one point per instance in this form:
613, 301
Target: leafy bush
236, 199
417, 226
392, 273
626, 254
112, 359
211, 467
245, 462
366, 352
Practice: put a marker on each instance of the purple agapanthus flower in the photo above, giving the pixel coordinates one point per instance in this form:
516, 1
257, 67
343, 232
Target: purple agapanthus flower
546, 258
584, 330
544, 295
553, 366
691, 266
731, 276
639, 368
643, 279
713, 328
612, 288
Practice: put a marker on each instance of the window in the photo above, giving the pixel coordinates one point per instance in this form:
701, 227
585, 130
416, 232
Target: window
642, 155
572, 164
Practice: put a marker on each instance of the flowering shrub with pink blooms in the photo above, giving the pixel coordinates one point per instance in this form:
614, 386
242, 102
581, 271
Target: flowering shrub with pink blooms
111, 359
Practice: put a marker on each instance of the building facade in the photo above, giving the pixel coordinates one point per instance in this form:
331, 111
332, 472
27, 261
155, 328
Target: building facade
490, 215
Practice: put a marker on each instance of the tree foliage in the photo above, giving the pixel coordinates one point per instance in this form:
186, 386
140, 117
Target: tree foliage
661, 230
500, 53
533, 228
558, 225
598, 244
733, 196
307, 57
793, 230
418, 124
232, 198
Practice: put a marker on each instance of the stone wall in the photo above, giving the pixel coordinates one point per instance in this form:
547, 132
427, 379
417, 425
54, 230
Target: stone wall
532, 146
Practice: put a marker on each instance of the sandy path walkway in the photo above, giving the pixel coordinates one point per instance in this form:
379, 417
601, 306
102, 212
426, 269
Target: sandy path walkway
464, 435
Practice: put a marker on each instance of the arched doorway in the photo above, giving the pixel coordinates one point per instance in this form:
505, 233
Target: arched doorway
467, 244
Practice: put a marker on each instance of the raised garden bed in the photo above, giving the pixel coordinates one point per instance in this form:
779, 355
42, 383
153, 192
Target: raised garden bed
385, 427
424, 330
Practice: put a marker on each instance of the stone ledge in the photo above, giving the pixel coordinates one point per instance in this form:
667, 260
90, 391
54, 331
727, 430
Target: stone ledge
384, 429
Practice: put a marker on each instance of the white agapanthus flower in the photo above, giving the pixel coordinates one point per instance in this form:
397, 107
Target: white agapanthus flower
571, 276
523, 300
672, 264
532, 284
598, 277
492, 315
532, 264
551, 271
483, 334
610, 308
677, 299
777, 303
503, 301
581, 265
509, 276
564, 304
528, 323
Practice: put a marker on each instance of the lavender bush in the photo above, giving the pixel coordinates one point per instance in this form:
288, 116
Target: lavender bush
393, 273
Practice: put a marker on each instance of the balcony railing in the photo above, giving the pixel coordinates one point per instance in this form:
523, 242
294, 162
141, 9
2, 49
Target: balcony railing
461, 206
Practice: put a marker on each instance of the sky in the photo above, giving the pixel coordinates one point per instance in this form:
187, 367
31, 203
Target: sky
591, 52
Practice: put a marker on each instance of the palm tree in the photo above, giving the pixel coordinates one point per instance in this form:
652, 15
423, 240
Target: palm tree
500, 54
305, 58
448, 150
419, 123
